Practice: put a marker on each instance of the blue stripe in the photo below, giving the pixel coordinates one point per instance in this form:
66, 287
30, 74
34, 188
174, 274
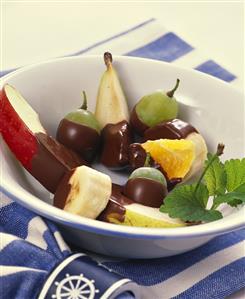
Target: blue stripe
219, 284
3, 73
21, 216
112, 37
22, 285
166, 48
212, 68
149, 272
21, 253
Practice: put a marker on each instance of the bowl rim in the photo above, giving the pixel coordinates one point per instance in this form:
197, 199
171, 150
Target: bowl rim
42, 208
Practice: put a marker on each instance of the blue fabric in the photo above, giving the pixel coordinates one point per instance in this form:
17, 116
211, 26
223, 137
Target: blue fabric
212, 68
40, 255
166, 48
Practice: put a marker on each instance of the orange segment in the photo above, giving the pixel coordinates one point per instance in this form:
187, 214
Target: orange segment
174, 156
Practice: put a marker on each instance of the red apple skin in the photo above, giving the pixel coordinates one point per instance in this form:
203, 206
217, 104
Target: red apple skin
45, 158
16, 134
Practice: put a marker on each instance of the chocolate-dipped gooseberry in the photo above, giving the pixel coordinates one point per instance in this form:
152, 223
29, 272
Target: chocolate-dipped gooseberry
80, 131
153, 109
147, 186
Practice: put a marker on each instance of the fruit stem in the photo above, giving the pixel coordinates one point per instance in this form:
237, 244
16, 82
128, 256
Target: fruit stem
147, 160
219, 152
170, 93
107, 59
84, 105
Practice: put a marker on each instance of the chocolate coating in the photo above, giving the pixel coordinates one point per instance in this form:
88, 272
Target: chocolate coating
138, 126
63, 190
137, 157
145, 191
52, 161
115, 207
80, 138
172, 183
116, 140
171, 129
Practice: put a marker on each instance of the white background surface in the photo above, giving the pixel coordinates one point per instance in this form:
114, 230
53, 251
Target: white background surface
32, 31
36, 30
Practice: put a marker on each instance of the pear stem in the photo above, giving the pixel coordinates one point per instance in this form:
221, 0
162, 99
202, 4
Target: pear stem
84, 105
147, 160
107, 59
170, 93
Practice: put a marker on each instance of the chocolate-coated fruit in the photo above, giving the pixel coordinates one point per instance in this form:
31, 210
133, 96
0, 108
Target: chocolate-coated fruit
113, 116
80, 131
45, 158
171, 129
122, 210
153, 109
146, 186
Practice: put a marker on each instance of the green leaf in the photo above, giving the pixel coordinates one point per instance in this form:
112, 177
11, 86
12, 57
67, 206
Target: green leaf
233, 198
235, 173
188, 205
215, 176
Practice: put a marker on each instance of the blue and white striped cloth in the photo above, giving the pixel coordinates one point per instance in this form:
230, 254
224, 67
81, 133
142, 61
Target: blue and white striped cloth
214, 270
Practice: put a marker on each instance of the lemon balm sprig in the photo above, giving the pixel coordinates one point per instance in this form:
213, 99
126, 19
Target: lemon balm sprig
223, 182
219, 152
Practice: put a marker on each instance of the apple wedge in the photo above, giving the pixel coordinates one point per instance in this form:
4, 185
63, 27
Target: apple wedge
45, 158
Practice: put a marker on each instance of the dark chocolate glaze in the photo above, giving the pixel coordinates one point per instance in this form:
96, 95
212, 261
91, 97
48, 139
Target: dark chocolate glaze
137, 157
63, 190
145, 191
52, 161
171, 129
138, 126
116, 139
115, 207
172, 183
80, 138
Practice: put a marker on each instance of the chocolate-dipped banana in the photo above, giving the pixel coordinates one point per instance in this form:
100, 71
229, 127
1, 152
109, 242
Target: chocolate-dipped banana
80, 131
113, 116
124, 211
83, 191
146, 186
171, 129
153, 109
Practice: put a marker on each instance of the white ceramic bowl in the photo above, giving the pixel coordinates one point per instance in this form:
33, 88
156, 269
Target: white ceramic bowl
53, 88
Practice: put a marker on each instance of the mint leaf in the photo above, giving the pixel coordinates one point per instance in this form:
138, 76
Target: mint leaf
233, 198
215, 176
235, 173
189, 205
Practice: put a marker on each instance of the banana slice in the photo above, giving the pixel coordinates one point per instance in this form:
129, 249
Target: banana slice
83, 191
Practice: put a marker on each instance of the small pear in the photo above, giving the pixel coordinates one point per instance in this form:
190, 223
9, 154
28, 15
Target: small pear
111, 105
113, 116
154, 108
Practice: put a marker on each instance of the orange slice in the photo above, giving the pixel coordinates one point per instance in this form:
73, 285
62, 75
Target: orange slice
174, 156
